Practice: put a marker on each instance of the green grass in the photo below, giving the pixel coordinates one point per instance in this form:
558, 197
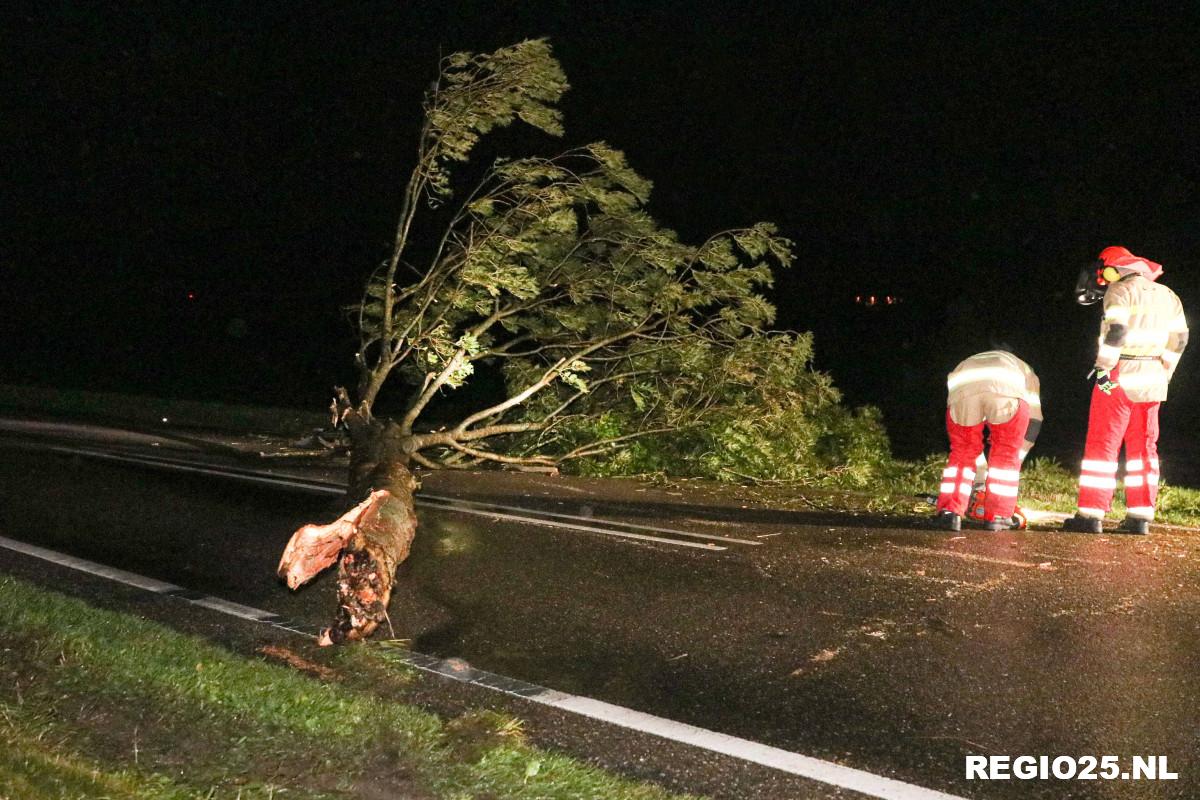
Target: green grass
97, 704
1046, 485
34, 767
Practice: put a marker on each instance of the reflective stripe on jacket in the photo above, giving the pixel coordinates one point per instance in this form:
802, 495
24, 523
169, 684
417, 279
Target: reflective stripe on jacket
1143, 330
993, 374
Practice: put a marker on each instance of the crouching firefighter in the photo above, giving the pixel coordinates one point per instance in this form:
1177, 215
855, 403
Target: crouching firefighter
1142, 335
999, 391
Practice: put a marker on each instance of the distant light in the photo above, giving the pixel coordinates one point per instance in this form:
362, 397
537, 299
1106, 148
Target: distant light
164, 419
191, 295
871, 301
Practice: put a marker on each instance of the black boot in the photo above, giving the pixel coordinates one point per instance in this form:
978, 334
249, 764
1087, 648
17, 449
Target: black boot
948, 520
1134, 525
1081, 524
999, 524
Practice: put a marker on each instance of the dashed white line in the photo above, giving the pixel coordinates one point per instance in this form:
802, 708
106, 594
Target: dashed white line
825, 772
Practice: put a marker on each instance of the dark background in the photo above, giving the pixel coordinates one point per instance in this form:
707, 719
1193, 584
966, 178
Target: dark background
191, 192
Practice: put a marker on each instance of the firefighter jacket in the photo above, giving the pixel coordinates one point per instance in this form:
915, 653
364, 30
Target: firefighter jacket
1143, 331
987, 386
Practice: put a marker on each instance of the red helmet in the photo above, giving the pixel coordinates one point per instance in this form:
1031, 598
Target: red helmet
1125, 262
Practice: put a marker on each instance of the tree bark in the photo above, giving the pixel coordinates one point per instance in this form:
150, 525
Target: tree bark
371, 539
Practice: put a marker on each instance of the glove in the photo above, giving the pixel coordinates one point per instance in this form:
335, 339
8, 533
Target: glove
1103, 381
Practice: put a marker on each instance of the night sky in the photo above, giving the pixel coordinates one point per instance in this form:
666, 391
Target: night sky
191, 192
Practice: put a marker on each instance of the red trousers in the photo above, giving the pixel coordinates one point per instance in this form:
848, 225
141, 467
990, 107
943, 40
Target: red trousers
1114, 418
1004, 464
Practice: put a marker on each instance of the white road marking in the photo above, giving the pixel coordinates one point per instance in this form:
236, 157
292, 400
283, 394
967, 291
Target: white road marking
461, 509
784, 760
91, 567
826, 772
177, 466
327, 488
633, 525
260, 476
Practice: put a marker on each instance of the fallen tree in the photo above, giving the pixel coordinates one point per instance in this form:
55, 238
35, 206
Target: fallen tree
606, 328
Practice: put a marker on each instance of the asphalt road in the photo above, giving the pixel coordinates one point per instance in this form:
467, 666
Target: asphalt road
885, 647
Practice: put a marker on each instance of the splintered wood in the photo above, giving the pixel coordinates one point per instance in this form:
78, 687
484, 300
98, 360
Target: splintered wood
369, 542
313, 548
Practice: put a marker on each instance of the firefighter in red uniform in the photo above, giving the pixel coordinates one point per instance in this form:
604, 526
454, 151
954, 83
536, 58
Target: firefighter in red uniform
999, 391
1142, 335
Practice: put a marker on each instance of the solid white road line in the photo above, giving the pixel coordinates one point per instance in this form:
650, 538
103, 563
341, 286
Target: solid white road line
806, 766
461, 509
325, 488
67, 429
179, 466
560, 515
457, 503
825, 772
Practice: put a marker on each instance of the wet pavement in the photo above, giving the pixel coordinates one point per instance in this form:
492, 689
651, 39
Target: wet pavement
861, 641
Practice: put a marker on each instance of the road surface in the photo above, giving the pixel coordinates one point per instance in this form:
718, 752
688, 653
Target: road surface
878, 645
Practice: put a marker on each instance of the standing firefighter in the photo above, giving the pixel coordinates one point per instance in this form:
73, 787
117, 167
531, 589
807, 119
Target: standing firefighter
1142, 335
1000, 391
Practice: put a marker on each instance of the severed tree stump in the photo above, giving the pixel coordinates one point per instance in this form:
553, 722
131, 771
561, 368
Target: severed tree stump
371, 539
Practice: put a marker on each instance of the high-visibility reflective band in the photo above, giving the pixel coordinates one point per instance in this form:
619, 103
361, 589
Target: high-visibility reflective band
1099, 466
1147, 352
1004, 474
1152, 479
1134, 465
1146, 336
947, 488
1141, 512
1094, 513
1094, 482
1154, 463
1170, 356
1134, 480
968, 473
1138, 380
1119, 314
950, 472
966, 489
1002, 489
1002, 374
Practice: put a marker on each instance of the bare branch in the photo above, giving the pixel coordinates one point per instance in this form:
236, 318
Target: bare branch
605, 445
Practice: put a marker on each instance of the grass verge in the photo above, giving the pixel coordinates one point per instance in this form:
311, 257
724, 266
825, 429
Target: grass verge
1046, 485
98, 704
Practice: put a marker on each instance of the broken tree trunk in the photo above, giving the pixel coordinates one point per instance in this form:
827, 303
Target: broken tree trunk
371, 539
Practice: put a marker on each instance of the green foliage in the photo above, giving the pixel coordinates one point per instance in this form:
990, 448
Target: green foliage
617, 340
1178, 505
763, 414
478, 93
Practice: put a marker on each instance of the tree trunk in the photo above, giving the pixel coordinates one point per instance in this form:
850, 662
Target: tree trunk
371, 539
